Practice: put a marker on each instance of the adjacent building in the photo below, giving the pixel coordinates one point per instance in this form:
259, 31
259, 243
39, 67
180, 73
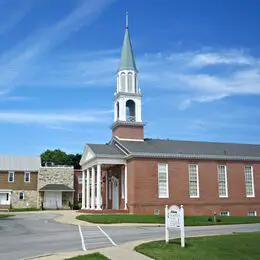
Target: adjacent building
18, 181
140, 175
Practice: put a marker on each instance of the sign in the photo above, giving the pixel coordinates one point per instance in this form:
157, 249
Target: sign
174, 218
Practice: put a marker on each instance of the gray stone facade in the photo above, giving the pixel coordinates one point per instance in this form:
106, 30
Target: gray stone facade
29, 201
56, 175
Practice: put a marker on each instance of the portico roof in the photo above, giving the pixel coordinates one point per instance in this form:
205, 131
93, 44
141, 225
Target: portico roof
56, 187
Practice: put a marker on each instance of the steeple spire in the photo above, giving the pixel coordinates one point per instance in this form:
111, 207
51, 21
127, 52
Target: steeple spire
127, 61
126, 20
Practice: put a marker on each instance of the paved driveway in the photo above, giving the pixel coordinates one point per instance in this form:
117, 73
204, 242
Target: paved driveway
29, 235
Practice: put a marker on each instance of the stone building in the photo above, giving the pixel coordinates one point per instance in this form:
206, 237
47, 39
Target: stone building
141, 175
56, 187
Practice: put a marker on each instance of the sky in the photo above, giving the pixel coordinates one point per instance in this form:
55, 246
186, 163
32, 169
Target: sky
198, 62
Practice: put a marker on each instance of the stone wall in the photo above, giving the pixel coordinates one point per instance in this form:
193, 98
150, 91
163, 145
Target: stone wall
56, 175
29, 201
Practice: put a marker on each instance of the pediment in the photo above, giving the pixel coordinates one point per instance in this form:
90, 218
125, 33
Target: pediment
87, 156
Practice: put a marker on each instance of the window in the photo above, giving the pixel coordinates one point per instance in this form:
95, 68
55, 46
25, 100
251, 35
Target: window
80, 196
222, 181
224, 213
7, 196
130, 82
27, 177
251, 213
123, 184
79, 179
122, 81
249, 181
10, 176
21, 196
163, 189
194, 181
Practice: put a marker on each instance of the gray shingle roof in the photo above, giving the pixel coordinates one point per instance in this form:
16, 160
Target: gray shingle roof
56, 187
105, 149
155, 146
19, 163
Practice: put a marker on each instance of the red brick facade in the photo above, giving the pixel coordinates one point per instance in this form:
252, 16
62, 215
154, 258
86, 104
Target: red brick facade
77, 185
143, 187
129, 132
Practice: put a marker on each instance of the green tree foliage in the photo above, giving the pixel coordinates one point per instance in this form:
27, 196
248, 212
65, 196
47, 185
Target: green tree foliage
58, 157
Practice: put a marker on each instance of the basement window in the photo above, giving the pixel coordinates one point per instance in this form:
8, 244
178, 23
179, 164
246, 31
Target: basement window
225, 213
251, 213
21, 196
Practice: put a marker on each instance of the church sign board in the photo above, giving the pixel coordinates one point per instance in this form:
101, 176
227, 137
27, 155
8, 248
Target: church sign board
174, 218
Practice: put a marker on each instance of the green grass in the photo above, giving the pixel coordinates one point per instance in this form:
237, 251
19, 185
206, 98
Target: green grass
154, 219
4, 216
95, 256
23, 209
243, 246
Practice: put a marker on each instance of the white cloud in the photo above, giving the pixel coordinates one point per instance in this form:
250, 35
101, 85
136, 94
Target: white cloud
15, 64
55, 119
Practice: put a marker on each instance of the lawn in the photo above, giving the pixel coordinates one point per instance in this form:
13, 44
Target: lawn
23, 209
243, 246
95, 256
4, 216
155, 219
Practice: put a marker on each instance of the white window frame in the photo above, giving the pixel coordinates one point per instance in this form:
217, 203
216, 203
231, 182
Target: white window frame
252, 182
197, 180
9, 173
122, 184
20, 196
167, 181
24, 177
79, 178
252, 215
226, 181
224, 213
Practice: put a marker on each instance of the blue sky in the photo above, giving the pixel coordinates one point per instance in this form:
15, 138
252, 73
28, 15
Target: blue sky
199, 64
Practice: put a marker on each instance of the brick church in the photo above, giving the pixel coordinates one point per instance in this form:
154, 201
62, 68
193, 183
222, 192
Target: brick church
135, 174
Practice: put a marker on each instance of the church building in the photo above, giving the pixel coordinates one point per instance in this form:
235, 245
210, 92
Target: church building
134, 174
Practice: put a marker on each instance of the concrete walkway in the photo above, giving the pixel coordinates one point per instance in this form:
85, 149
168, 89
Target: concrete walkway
125, 252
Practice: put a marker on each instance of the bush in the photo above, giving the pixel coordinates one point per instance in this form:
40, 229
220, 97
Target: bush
210, 219
77, 205
218, 220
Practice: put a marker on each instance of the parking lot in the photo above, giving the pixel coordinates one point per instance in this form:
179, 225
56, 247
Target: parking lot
28, 235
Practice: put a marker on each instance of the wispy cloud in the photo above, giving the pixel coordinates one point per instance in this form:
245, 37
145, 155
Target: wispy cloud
55, 119
15, 63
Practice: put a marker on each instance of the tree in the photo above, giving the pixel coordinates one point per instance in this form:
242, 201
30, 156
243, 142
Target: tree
58, 157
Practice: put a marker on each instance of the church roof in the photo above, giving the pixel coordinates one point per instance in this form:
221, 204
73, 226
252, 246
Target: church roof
190, 149
105, 149
127, 61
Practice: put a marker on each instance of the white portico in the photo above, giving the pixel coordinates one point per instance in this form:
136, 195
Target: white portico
104, 178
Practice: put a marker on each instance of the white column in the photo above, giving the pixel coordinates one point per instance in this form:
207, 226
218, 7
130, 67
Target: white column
93, 188
125, 186
98, 186
88, 190
106, 189
83, 190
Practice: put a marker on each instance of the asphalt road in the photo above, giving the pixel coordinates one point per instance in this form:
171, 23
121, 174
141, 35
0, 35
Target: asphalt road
28, 235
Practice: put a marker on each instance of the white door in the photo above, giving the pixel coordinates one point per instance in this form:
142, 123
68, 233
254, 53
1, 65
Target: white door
4, 198
52, 199
115, 201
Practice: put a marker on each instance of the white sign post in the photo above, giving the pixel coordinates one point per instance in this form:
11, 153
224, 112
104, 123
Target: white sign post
174, 218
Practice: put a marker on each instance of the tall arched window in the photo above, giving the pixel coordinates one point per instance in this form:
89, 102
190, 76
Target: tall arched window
130, 111
130, 82
117, 110
122, 81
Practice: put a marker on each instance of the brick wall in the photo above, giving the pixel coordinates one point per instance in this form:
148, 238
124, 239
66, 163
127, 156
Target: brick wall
143, 187
129, 132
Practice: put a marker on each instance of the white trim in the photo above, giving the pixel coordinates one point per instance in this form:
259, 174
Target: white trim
106, 190
98, 187
83, 190
96, 161
9, 176
226, 181
88, 190
167, 181
126, 198
197, 178
252, 179
122, 183
127, 139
